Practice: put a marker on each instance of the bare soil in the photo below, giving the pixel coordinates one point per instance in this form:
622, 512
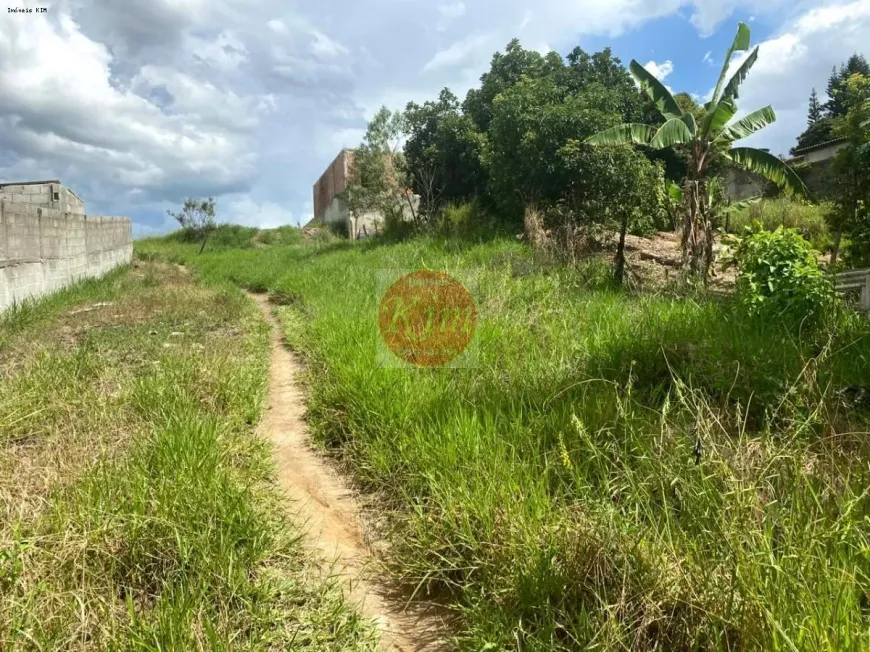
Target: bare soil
332, 514
656, 260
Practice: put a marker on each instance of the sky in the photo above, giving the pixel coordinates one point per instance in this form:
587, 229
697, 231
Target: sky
137, 105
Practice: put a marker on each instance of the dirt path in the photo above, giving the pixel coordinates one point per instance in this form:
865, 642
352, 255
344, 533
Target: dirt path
332, 514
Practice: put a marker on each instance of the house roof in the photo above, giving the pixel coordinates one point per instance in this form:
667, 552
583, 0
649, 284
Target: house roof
812, 148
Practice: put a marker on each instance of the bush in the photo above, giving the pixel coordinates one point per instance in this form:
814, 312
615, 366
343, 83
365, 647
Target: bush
396, 227
281, 236
338, 229
810, 220
857, 250
228, 236
466, 220
779, 275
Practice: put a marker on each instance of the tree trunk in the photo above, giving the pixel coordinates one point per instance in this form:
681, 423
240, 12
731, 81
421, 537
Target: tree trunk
708, 247
697, 231
835, 250
619, 261
411, 206
204, 240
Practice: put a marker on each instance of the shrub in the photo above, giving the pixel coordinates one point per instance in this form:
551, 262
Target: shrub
810, 220
466, 220
779, 275
858, 247
280, 236
338, 229
229, 236
395, 226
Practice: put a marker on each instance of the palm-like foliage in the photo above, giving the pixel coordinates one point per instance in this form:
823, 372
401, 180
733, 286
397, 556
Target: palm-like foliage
705, 141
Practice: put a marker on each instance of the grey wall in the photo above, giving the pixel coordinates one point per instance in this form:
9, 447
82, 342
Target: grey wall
43, 194
366, 224
742, 184
44, 249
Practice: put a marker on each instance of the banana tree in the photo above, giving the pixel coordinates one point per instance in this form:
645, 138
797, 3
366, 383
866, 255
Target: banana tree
703, 142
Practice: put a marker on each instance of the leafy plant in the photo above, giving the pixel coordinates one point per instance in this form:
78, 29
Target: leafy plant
378, 172
809, 219
852, 181
779, 275
196, 218
703, 143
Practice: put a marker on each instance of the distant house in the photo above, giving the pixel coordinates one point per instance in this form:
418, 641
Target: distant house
330, 203
818, 153
811, 163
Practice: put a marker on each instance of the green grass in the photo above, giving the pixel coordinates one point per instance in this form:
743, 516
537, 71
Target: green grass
809, 219
137, 508
281, 236
612, 471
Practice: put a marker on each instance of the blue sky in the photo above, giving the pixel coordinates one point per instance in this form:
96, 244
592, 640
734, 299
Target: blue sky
137, 105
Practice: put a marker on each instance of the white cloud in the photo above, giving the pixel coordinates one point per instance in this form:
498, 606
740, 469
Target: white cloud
141, 230
326, 47
708, 58
660, 70
458, 53
59, 103
527, 18
452, 9
226, 52
790, 64
202, 99
248, 212
277, 25
448, 12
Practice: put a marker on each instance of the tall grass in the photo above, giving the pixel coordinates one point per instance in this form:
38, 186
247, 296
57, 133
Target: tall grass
137, 509
611, 472
809, 219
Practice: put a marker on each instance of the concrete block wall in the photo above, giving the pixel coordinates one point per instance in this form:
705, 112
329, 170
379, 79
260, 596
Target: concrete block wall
48, 194
45, 249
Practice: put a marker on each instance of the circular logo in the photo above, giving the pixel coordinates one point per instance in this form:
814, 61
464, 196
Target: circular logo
427, 318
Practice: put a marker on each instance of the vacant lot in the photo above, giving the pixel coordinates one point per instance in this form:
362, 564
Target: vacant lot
138, 506
611, 471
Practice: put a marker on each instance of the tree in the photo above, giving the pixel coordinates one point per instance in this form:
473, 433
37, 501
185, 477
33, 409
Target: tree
703, 143
196, 218
532, 155
601, 68
642, 193
851, 166
815, 111
818, 133
505, 70
836, 105
378, 173
832, 108
443, 152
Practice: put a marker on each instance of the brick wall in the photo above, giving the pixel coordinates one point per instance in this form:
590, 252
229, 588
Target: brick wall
332, 182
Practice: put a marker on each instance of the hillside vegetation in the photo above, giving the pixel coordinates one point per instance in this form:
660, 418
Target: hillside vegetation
606, 471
